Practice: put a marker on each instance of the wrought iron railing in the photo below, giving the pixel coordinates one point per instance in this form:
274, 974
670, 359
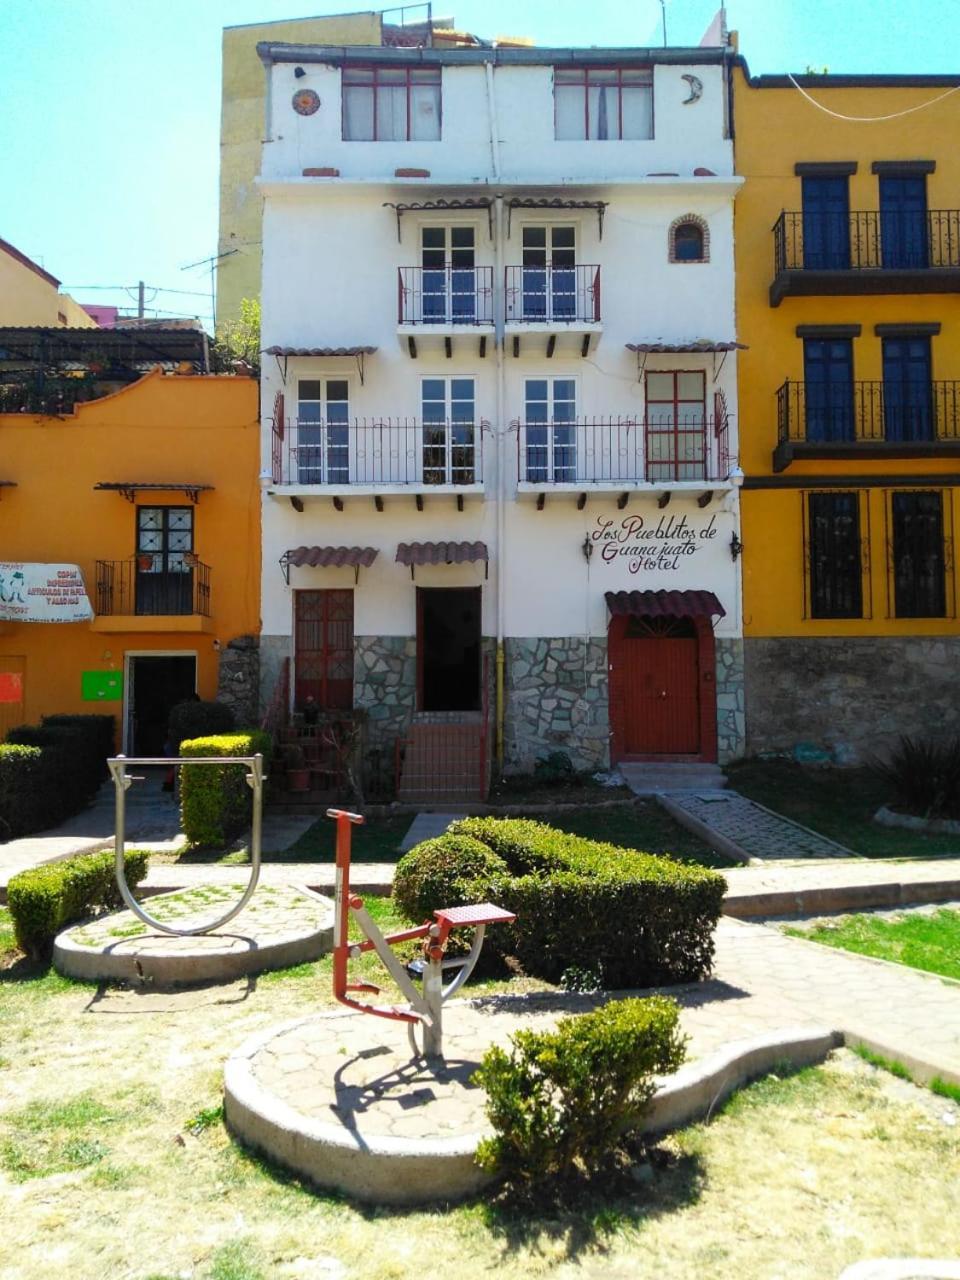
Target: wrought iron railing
127, 588
447, 296
867, 240
622, 451
379, 451
552, 295
859, 412
54, 395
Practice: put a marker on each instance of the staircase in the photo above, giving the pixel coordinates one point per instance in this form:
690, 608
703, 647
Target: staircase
659, 777
444, 760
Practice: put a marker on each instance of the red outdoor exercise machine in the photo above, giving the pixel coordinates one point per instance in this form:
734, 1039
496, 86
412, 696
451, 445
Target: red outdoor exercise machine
425, 1007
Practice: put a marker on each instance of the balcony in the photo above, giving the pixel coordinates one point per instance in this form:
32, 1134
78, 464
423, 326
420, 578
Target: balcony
866, 420
866, 252
603, 454
561, 303
376, 456
435, 307
150, 593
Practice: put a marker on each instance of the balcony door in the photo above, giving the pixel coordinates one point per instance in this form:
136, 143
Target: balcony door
449, 276
826, 223
828, 372
549, 273
164, 561
907, 389
322, 447
449, 413
676, 425
903, 221
550, 444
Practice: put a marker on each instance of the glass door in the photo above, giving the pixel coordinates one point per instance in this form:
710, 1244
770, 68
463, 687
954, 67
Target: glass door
549, 273
907, 389
828, 371
323, 444
164, 560
449, 278
550, 411
449, 430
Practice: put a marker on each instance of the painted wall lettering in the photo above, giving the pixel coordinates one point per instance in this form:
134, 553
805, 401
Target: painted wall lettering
656, 544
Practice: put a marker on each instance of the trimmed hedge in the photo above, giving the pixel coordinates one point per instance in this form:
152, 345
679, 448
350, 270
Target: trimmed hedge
215, 802
566, 1099
27, 791
441, 873
632, 918
193, 718
45, 899
98, 732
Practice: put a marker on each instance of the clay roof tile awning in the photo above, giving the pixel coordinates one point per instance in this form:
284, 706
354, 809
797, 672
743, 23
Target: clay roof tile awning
705, 345
665, 604
330, 557
319, 351
414, 553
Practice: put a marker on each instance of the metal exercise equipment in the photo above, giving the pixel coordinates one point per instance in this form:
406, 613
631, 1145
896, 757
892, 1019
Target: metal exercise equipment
425, 1008
122, 782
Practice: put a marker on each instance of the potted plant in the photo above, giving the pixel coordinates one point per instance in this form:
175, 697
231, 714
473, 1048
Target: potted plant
298, 775
145, 562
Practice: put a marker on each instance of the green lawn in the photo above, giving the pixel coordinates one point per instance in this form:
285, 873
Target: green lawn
920, 940
839, 803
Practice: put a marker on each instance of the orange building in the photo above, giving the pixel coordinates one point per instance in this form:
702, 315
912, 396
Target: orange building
151, 492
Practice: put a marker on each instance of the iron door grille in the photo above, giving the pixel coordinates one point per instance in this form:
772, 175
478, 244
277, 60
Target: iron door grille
919, 549
324, 648
834, 555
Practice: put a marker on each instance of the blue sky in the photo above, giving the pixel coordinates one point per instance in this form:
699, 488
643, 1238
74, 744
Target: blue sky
110, 109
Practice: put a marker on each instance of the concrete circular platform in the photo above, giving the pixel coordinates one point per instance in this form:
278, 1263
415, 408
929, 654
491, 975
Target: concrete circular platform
282, 925
338, 1099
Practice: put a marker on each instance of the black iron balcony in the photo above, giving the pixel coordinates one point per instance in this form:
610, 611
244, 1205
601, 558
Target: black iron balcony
378, 452
448, 296
562, 296
153, 585
862, 419
622, 451
866, 251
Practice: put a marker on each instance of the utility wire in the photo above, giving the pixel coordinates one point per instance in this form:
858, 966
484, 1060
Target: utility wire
894, 115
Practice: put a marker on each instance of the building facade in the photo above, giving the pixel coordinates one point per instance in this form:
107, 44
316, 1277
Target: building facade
848, 299
30, 295
130, 548
499, 424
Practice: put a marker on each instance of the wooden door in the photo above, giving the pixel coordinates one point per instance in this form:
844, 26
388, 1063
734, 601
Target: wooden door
661, 683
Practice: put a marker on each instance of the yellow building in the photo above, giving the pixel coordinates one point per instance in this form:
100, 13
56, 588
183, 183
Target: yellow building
30, 295
152, 494
848, 298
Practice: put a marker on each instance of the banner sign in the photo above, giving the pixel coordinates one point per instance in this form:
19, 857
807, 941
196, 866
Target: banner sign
42, 593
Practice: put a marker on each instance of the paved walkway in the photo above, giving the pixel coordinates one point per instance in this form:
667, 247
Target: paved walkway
745, 830
426, 826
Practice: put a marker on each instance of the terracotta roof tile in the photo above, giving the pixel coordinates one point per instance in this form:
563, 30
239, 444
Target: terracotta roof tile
441, 552
665, 604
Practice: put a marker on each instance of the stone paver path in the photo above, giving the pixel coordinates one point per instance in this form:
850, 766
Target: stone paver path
746, 830
426, 826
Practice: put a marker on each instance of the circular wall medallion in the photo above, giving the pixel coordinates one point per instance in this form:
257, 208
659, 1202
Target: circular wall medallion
306, 102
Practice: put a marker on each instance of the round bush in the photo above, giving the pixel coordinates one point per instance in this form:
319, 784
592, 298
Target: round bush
437, 873
195, 719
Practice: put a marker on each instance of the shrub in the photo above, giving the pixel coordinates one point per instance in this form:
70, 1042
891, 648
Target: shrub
438, 873
923, 776
76, 772
556, 767
215, 801
634, 919
196, 719
565, 1099
45, 899
98, 732
27, 791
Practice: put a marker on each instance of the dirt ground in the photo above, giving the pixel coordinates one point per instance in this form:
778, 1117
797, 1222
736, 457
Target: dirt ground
114, 1164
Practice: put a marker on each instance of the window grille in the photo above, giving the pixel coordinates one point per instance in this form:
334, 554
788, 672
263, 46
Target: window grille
919, 554
834, 552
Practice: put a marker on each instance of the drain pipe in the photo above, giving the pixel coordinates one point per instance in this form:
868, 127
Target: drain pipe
499, 431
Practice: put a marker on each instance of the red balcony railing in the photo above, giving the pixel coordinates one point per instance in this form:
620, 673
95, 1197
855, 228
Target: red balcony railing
378, 451
448, 296
552, 295
622, 451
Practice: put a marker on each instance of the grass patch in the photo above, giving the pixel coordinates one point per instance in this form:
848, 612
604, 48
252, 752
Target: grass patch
643, 825
839, 803
206, 1118
54, 1137
944, 1089
893, 1065
8, 943
930, 942
375, 841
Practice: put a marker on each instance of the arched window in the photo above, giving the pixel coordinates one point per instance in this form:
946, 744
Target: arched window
689, 240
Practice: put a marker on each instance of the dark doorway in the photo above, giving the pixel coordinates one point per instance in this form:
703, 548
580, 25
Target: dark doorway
155, 684
448, 648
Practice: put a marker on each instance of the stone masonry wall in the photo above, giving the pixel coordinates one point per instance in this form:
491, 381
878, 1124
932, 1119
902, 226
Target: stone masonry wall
851, 697
238, 679
385, 686
556, 700
273, 650
731, 703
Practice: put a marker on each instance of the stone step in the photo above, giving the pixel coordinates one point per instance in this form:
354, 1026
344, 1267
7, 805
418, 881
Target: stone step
657, 778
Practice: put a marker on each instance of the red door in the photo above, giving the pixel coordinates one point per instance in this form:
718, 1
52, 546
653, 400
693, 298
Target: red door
661, 688
323, 662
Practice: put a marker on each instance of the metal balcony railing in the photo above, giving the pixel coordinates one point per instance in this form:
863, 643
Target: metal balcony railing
622, 451
153, 585
447, 296
378, 451
867, 240
552, 295
863, 412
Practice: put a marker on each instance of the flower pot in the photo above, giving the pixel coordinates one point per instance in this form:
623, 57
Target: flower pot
145, 563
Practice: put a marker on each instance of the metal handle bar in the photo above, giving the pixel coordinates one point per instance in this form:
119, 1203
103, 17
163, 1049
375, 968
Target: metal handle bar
122, 780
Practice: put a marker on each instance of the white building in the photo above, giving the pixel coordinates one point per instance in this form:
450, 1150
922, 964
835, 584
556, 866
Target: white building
499, 402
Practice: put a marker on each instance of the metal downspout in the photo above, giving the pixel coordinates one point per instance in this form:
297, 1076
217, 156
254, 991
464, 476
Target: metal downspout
499, 429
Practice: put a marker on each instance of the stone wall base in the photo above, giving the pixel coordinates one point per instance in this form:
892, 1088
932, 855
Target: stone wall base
731, 703
556, 700
238, 679
850, 697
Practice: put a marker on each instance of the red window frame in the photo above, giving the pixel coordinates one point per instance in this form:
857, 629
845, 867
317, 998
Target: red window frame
424, 75
678, 428
583, 75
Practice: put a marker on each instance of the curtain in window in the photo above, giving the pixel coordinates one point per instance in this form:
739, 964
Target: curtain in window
425, 112
358, 113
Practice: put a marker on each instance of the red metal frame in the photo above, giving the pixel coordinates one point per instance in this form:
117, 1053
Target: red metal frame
276, 452
425, 75
583, 79
333, 695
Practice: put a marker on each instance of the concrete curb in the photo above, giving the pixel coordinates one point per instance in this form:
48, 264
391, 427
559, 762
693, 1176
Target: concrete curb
386, 1170
836, 898
121, 961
